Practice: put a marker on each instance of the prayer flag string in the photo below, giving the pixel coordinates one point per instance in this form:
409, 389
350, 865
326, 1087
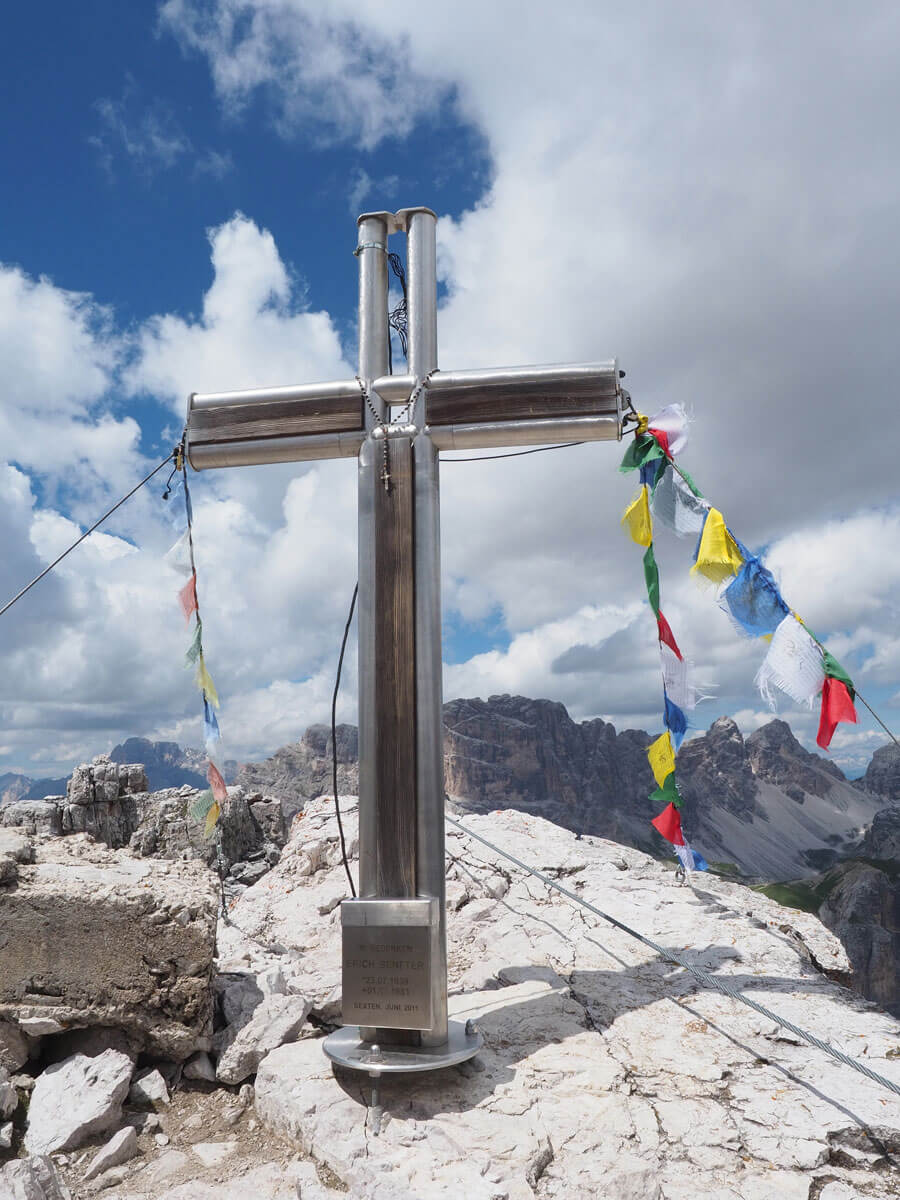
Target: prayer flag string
650, 454
208, 805
796, 662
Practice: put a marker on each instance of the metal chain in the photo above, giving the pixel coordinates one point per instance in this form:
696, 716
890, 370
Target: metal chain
703, 976
420, 386
384, 425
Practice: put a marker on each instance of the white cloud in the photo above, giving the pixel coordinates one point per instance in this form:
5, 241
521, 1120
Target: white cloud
325, 78
151, 140
667, 185
252, 331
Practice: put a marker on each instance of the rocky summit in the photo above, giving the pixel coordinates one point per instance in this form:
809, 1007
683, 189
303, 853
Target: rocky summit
606, 1070
163, 997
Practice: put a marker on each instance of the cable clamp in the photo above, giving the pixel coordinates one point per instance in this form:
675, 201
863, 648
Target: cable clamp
369, 246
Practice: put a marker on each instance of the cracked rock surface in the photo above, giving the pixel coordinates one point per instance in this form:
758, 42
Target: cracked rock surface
606, 1070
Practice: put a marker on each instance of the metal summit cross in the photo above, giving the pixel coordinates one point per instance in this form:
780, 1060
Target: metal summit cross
394, 935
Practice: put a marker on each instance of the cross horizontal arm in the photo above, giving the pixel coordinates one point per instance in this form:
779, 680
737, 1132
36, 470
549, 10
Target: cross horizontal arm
462, 410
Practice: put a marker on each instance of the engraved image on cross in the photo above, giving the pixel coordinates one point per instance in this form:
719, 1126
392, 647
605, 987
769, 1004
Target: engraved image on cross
399, 1013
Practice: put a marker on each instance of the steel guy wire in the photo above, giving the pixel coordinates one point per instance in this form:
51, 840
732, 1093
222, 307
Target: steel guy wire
674, 957
87, 533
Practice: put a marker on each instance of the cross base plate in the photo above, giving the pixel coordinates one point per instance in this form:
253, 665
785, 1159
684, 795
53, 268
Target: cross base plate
345, 1048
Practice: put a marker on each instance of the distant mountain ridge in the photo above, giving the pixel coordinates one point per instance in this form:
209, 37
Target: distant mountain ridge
168, 765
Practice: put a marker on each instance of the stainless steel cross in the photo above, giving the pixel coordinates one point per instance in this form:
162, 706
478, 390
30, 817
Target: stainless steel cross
394, 935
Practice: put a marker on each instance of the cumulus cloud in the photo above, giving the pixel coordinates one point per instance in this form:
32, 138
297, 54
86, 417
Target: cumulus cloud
667, 185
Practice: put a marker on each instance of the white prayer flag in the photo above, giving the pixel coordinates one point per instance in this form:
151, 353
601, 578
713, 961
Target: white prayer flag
678, 679
672, 421
793, 665
676, 506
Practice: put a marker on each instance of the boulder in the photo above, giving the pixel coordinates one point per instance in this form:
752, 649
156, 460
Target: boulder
92, 937
76, 1099
149, 1089
32, 1178
14, 1047
9, 1097
34, 816
275, 1021
121, 1147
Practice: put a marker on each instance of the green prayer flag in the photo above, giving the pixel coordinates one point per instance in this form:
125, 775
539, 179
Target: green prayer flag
195, 647
641, 451
836, 671
668, 793
201, 806
651, 575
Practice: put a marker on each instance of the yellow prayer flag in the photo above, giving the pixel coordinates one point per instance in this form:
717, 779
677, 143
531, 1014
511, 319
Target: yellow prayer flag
637, 519
211, 817
205, 683
718, 556
662, 758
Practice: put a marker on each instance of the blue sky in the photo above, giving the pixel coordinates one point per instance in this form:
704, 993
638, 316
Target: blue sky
182, 181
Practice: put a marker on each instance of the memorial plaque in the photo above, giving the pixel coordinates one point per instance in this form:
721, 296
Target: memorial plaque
387, 963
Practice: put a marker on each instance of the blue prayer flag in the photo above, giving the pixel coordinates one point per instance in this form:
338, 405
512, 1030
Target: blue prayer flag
754, 601
676, 722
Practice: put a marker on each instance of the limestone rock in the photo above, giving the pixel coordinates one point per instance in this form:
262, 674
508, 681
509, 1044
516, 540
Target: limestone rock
121, 1147
9, 1097
776, 756
275, 1021
149, 1088
200, 1066
882, 775
32, 1178
76, 1099
34, 816
166, 764
166, 829
297, 773
92, 937
6, 1135
863, 909
606, 1070
882, 839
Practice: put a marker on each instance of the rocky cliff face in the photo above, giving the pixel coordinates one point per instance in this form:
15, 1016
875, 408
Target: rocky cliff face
775, 756
298, 773
765, 805
882, 775
511, 752
166, 764
863, 910
111, 802
882, 840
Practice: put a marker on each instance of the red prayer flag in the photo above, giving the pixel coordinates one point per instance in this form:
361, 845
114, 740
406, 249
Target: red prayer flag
669, 825
217, 783
188, 598
663, 438
666, 635
836, 706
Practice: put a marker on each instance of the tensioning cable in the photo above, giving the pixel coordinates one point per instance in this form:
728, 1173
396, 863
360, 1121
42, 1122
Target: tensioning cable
674, 957
46, 571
